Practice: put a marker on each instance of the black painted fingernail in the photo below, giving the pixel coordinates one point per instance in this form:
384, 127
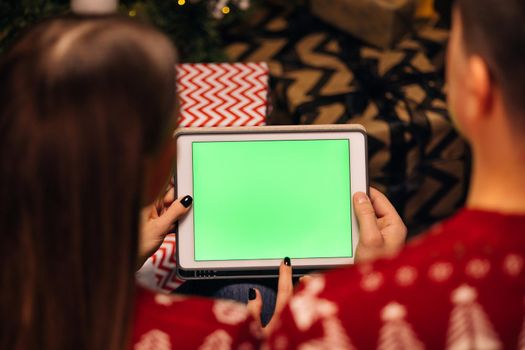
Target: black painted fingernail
287, 261
186, 201
251, 294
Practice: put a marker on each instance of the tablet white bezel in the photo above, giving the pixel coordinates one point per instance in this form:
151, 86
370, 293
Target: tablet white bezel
184, 185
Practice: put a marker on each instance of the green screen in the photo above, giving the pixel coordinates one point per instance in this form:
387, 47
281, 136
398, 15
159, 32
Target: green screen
271, 199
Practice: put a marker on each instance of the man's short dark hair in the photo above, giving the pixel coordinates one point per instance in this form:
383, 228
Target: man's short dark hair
495, 29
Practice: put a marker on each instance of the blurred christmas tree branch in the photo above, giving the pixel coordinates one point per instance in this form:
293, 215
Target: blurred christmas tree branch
15, 16
193, 25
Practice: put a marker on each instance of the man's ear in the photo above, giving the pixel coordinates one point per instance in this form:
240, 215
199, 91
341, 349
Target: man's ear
480, 88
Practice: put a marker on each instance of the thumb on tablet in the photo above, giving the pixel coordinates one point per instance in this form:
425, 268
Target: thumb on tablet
175, 211
367, 219
370, 238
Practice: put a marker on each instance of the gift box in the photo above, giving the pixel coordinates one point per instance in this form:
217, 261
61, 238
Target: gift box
377, 22
222, 94
322, 75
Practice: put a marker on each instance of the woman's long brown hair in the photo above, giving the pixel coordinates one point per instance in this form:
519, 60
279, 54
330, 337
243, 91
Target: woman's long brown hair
83, 101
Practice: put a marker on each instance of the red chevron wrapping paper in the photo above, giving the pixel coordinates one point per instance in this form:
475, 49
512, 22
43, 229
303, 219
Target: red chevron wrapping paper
222, 94
158, 273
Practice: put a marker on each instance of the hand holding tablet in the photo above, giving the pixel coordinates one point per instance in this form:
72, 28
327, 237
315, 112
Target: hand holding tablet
267, 192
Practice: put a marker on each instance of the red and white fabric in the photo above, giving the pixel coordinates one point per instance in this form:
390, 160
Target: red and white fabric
461, 286
210, 95
165, 322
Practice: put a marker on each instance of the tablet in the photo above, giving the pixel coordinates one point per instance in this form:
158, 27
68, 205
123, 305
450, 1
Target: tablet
264, 193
